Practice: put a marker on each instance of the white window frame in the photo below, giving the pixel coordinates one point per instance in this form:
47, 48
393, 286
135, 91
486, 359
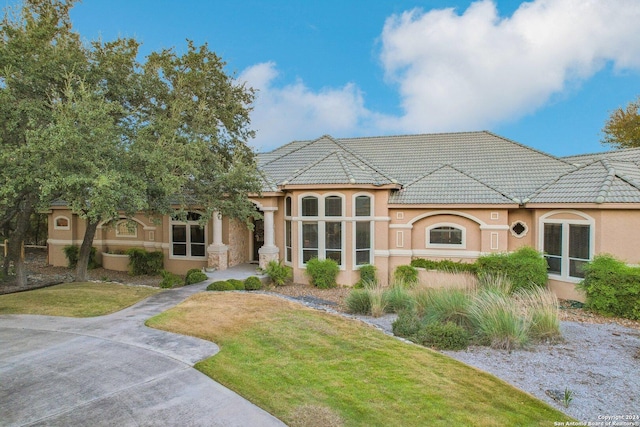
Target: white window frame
371, 220
463, 242
188, 225
61, 227
564, 257
321, 221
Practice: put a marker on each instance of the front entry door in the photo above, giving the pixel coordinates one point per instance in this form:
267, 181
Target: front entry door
258, 237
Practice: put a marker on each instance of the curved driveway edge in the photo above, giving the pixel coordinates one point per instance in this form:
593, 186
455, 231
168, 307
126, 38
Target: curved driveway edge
113, 370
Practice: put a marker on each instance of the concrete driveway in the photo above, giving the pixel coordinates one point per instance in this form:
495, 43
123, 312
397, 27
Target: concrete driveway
113, 371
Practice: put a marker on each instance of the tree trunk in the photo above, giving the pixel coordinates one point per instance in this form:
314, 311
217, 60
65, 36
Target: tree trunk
16, 240
85, 251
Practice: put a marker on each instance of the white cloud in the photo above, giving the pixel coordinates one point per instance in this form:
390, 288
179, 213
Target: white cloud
473, 70
293, 111
458, 71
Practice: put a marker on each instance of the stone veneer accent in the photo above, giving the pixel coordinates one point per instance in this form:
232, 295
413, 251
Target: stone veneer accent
238, 242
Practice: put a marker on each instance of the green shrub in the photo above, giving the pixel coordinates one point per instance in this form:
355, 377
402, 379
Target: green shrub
220, 285
72, 252
406, 325
525, 268
142, 262
445, 265
278, 273
443, 336
194, 275
398, 299
406, 274
446, 305
238, 285
322, 273
612, 288
252, 283
359, 302
367, 276
170, 280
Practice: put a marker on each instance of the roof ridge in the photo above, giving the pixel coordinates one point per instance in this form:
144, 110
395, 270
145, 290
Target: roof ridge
601, 153
366, 162
559, 177
606, 184
535, 150
632, 182
411, 135
299, 172
345, 167
304, 144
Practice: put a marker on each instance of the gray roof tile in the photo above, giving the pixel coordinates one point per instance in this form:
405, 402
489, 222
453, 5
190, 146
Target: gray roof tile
460, 168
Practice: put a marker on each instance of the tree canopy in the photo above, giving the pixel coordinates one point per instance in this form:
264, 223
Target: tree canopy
622, 129
89, 124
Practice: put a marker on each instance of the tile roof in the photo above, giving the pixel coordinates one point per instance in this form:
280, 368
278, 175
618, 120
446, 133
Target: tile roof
456, 168
596, 182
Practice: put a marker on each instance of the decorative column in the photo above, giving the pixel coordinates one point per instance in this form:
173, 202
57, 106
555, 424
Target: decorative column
268, 252
217, 251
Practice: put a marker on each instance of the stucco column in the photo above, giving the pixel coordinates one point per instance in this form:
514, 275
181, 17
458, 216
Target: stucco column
217, 251
268, 252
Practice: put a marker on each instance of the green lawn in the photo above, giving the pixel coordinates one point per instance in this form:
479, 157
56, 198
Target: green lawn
75, 299
284, 357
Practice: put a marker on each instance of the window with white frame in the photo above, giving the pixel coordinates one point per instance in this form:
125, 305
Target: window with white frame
363, 234
188, 239
61, 223
567, 247
446, 236
322, 228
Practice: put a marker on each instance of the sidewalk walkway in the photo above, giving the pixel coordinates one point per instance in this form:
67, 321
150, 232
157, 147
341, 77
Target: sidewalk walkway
113, 370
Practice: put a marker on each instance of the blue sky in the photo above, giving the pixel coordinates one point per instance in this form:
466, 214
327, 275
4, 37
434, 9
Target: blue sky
545, 73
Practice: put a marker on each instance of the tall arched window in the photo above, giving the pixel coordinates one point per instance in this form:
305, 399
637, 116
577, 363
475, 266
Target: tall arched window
446, 235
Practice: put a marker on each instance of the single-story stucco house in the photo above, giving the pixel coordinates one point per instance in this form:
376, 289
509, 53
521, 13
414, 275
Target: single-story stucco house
385, 200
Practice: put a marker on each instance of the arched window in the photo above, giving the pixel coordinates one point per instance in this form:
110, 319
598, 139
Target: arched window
446, 235
126, 228
567, 244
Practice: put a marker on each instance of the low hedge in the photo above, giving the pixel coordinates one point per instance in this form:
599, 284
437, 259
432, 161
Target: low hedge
445, 265
612, 288
220, 285
525, 268
142, 262
195, 275
443, 336
238, 285
252, 283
